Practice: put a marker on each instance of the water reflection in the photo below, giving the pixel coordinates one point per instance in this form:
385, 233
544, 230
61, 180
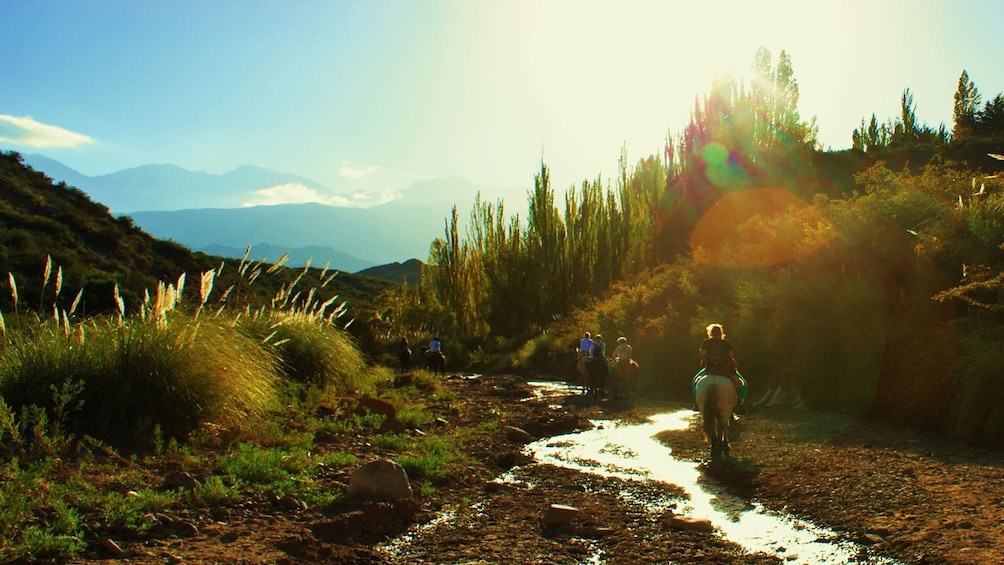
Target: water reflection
630, 452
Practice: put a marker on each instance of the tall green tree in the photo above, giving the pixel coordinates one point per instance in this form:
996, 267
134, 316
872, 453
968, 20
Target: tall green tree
967, 104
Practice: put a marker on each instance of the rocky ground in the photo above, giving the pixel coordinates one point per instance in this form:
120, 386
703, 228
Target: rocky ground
914, 497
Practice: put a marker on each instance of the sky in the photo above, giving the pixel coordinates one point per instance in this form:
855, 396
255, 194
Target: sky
374, 95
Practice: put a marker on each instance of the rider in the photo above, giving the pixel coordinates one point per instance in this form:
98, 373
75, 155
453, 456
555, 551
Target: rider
622, 353
718, 357
599, 348
584, 350
404, 354
585, 345
622, 358
435, 346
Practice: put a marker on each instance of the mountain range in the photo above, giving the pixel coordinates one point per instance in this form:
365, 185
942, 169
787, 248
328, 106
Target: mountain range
205, 212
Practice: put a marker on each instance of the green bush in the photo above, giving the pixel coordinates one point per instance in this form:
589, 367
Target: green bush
309, 350
140, 375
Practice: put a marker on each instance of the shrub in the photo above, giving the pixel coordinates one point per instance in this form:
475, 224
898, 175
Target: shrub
309, 350
139, 375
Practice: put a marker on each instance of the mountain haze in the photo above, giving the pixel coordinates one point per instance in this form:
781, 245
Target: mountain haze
168, 187
203, 212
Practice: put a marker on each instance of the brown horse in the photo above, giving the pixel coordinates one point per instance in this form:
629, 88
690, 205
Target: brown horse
627, 372
436, 362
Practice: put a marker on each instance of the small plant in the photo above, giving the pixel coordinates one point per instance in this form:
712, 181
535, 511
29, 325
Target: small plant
436, 454
337, 459
134, 511
392, 442
414, 416
212, 492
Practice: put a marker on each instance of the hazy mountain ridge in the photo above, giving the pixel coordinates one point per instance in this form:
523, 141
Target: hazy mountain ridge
164, 186
212, 221
297, 256
408, 271
42, 222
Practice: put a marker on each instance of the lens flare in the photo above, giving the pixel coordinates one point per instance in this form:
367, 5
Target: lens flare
759, 228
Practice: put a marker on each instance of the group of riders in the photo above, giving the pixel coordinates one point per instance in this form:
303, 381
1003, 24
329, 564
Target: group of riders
594, 366
717, 358
433, 354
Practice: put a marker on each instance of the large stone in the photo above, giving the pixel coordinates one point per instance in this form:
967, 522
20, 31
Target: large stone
376, 406
382, 479
392, 426
560, 514
517, 435
180, 479
691, 524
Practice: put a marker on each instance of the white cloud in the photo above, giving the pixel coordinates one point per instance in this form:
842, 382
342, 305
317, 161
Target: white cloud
296, 193
26, 131
351, 171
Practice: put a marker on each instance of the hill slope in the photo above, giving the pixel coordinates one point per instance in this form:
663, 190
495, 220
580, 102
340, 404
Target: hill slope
93, 251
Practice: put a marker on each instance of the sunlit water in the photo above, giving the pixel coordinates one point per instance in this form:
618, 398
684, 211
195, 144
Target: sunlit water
630, 452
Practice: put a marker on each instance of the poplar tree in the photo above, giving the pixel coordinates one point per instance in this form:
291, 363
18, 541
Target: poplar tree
967, 105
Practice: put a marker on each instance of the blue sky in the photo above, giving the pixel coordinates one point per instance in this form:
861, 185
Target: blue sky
374, 95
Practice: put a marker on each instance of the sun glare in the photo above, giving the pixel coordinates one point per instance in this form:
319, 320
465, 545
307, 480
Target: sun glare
759, 228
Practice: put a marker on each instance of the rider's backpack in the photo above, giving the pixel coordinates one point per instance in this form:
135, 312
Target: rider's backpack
718, 358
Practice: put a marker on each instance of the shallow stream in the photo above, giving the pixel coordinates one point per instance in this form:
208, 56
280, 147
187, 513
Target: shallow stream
629, 451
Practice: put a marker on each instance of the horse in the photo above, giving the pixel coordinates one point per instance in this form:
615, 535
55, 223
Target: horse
581, 368
597, 373
628, 374
404, 355
436, 362
716, 399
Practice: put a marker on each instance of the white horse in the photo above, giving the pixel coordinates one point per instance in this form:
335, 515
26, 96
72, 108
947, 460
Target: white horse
716, 399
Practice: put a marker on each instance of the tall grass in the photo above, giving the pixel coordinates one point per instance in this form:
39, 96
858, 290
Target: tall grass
308, 349
976, 409
166, 367
140, 374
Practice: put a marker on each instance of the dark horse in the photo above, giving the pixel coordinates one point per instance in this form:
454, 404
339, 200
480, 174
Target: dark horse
435, 361
716, 398
597, 373
404, 355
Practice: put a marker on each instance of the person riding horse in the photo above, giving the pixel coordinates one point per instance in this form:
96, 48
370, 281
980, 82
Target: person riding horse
434, 357
597, 369
718, 358
404, 355
627, 368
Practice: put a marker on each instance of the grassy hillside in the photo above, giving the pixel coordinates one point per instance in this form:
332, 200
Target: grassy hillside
92, 252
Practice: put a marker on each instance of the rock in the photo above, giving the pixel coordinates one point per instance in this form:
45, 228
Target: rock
517, 435
180, 479
560, 514
112, 547
382, 479
551, 424
367, 405
688, 524
289, 503
324, 411
392, 426
325, 437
